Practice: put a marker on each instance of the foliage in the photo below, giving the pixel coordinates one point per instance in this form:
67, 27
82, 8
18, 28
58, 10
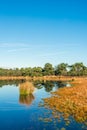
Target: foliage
48, 69
63, 69
78, 69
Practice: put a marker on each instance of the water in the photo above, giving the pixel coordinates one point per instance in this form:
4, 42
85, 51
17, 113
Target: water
24, 112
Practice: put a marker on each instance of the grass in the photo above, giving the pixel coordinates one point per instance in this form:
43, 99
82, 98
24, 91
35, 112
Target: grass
49, 78
70, 101
26, 88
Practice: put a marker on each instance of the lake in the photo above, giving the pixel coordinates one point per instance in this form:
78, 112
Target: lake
26, 111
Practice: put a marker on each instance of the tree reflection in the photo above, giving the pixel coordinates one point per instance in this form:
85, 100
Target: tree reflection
61, 84
38, 84
10, 82
25, 90
48, 85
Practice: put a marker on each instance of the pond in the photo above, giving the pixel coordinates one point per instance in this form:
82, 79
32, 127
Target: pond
21, 107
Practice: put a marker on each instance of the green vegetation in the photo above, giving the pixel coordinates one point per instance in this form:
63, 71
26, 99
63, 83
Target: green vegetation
63, 69
48, 69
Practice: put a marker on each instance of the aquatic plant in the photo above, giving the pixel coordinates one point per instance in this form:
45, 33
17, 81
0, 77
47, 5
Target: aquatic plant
26, 88
70, 101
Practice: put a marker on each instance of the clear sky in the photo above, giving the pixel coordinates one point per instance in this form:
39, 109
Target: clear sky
34, 32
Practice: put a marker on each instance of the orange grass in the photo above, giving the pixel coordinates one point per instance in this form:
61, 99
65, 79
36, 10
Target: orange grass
70, 101
26, 88
53, 78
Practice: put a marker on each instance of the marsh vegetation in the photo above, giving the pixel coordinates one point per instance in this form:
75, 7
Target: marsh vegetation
54, 105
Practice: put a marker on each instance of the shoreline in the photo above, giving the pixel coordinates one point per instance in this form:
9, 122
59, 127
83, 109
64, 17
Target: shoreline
50, 78
71, 101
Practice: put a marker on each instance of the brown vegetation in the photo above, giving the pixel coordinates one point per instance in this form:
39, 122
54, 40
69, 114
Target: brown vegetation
15, 78
52, 78
26, 99
70, 101
26, 88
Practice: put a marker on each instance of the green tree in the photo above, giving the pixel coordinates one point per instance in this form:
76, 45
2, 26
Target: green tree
23, 73
48, 69
77, 69
36, 71
61, 69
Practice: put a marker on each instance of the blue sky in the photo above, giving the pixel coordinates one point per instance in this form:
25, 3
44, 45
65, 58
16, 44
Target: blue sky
34, 32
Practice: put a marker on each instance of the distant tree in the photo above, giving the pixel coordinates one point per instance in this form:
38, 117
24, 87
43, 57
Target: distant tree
48, 69
23, 73
3, 72
37, 71
28, 71
85, 71
16, 72
77, 69
61, 69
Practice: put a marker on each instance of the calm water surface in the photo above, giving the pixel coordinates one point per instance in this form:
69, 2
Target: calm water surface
23, 112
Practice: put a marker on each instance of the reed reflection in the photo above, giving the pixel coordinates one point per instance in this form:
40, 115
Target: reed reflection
26, 93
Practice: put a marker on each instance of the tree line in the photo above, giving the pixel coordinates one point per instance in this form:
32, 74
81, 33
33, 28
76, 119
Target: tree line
62, 69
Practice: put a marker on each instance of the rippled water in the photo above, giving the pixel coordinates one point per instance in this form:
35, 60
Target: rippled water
24, 111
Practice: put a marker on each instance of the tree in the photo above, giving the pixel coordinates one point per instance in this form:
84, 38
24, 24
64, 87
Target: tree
85, 71
77, 69
48, 69
36, 71
61, 69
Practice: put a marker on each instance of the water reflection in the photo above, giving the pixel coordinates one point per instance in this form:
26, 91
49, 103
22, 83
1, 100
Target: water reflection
26, 93
14, 116
49, 85
10, 82
26, 99
61, 84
